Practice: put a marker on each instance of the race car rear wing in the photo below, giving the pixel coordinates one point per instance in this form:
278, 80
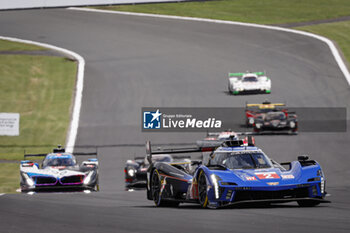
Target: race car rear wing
75, 154
265, 105
238, 75
85, 153
34, 155
205, 147
59, 149
149, 151
229, 131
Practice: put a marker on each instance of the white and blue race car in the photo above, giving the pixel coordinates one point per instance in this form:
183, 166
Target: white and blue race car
59, 171
249, 82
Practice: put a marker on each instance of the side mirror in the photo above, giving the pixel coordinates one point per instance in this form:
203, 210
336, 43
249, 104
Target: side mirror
303, 157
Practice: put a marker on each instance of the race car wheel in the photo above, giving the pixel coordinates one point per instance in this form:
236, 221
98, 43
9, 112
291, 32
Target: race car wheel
308, 203
202, 189
156, 192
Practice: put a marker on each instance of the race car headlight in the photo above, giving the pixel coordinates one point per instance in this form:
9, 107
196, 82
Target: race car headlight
258, 126
29, 180
320, 173
131, 172
322, 185
214, 179
292, 124
88, 178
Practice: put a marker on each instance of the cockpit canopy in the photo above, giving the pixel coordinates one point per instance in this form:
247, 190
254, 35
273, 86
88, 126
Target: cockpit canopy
275, 116
250, 78
59, 161
241, 160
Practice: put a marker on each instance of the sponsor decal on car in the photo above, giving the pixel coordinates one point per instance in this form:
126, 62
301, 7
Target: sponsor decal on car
267, 175
273, 183
250, 178
289, 176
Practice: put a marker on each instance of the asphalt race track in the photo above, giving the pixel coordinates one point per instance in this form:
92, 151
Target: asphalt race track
132, 62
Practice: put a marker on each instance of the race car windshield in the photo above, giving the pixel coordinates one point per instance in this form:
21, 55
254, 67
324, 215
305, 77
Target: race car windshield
241, 160
250, 79
275, 116
55, 162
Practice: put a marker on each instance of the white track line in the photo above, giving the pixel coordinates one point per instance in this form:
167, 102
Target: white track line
2, 194
73, 128
330, 44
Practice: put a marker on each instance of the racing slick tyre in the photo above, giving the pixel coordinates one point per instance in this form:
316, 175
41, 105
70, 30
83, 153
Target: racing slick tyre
308, 203
202, 190
156, 192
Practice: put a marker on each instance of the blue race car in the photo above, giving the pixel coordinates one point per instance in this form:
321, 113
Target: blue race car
237, 172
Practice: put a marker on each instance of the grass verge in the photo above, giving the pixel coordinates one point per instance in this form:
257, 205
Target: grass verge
40, 88
6, 45
252, 11
338, 32
9, 177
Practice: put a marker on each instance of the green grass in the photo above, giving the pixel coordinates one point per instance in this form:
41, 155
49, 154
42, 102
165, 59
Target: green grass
339, 32
40, 88
253, 11
9, 177
11, 46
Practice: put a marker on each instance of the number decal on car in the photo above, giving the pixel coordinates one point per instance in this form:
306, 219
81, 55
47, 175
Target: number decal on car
267, 175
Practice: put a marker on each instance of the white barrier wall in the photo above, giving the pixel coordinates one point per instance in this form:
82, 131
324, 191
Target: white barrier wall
21, 4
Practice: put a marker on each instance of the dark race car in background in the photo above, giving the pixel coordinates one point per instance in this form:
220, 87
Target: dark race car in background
235, 174
276, 122
135, 170
252, 111
59, 171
